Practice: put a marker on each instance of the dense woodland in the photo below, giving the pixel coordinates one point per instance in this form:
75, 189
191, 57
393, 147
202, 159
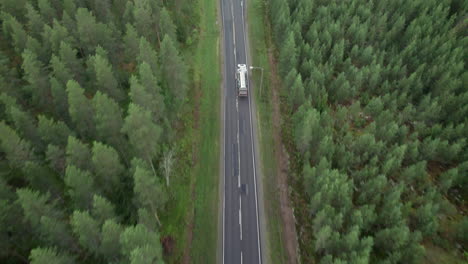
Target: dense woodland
90, 92
376, 109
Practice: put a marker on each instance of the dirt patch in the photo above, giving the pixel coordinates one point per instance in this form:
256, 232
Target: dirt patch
282, 167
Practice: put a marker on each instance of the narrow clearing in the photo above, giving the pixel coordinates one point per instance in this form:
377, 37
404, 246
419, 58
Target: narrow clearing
282, 158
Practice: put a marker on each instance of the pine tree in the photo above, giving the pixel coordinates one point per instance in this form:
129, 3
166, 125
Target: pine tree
166, 25
87, 30
55, 155
105, 80
102, 10
134, 238
80, 187
15, 31
47, 11
148, 54
25, 124
55, 35
60, 71
175, 72
108, 120
17, 150
107, 167
45, 219
102, 210
87, 230
35, 21
149, 191
51, 131
68, 56
60, 99
110, 235
288, 55
78, 154
80, 109
131, 42
143, 134
144, 20
38, 85
49, 256
147, 93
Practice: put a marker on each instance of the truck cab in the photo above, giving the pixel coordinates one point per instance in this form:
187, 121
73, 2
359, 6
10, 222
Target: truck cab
241, 79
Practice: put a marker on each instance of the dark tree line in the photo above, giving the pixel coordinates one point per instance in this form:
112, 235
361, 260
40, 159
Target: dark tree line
90, 92
377, 101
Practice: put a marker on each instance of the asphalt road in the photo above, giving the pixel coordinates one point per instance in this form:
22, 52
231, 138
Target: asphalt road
241, 232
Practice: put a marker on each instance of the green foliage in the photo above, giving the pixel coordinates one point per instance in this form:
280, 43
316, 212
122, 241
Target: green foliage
107, 167
80, 187
78, 154
110, 236
135, 242
149, 190
375, 126
49, 256
17, 150
166, 25
105, 80
108, 119
69, 71
80, 109
175, 72
51, 131
38, 85
87, 230
142, 133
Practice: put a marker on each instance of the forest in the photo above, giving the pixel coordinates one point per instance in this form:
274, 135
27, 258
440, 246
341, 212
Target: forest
375, 119
92, 95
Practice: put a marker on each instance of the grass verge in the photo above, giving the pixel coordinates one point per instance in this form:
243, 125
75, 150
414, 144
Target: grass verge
194, 187
258, 36
207, 75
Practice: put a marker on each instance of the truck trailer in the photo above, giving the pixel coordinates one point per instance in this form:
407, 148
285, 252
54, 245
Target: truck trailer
241, 79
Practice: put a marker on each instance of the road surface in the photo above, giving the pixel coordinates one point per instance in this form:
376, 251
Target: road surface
241, 232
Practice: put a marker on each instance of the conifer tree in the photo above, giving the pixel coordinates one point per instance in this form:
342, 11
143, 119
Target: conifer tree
55, 155
78, 154
136, 238
110, 235
102, 210
144, 20
80, 109
38, 85
80, 187
166, 25
149, 55
87, 230
175, 72
131, 42
108, 119
143, 134
107, 167
17, 150
49, 256
105, 79
149, 191
51, 131
35, 21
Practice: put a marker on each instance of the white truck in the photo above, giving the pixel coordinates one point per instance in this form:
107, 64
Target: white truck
241, 79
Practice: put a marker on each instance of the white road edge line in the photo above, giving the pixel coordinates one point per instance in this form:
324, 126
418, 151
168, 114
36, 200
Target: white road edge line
253, 152
233, 31
238, 145
240, 223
